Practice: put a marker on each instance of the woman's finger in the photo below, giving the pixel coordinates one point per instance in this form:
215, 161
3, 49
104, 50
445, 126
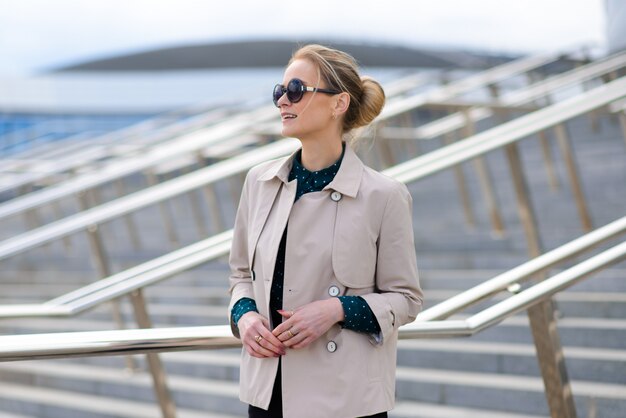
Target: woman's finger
253, 353
286, 324
288, 334
263, 351
296, 339
270, 342
305, 342
256, 344
285, 314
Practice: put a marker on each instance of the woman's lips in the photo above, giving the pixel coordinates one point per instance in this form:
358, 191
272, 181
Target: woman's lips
287, 116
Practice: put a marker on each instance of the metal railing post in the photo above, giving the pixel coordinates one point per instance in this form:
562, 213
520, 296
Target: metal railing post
564, 144
484, 177
385, 152
551, 360
459, 176
214, 207
100, 259
622, 120
548, 159
58, 213
196, 210
524, 207
166, 213
159, 378
131, 226
541, 316
546, 151
412, 145
196, 207
32, 217
235, 185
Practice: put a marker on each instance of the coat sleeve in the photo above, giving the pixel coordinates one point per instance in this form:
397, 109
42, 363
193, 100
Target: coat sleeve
240, 279
399, 297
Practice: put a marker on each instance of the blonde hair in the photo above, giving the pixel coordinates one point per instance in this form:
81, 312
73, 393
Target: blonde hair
339, 71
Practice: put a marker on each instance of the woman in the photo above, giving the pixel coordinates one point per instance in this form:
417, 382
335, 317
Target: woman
322, 259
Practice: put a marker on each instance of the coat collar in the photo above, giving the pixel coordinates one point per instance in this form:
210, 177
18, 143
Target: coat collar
346, 181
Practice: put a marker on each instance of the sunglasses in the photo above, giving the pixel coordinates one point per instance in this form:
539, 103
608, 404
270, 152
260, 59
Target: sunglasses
295, 90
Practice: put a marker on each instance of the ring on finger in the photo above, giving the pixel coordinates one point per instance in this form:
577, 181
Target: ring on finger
291, 334
258, 339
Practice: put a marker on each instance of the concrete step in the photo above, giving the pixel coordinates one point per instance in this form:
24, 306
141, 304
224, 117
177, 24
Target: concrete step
514, 394
10, 415
583, 363
50, 403
579, 332
407, 409
199, 394
462, 389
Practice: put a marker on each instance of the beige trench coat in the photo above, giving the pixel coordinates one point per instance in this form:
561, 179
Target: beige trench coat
354, 236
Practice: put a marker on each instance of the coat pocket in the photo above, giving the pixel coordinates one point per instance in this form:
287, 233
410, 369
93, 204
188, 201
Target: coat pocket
355, 250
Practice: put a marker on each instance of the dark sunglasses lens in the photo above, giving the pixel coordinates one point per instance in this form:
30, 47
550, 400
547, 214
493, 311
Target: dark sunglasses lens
278, 93
294, 90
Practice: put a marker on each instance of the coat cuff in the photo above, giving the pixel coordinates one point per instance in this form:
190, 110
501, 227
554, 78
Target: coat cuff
389, 309
239, 291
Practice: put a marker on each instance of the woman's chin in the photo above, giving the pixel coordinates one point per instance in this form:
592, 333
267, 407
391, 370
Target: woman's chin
287, 131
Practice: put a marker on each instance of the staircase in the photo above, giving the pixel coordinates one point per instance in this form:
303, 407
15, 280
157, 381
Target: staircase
493, 374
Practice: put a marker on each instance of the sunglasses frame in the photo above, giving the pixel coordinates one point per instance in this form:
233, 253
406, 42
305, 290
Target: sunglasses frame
299, 91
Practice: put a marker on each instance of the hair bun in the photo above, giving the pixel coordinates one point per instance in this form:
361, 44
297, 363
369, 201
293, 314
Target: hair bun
372, 101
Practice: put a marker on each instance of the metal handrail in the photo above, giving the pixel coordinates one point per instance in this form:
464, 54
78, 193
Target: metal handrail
203, 138
493, 75
156, 270
125, 282
100, 343
516, 303
411, 170
512, 99
509, 132
108, 145
183, 145
466, 84
143, 198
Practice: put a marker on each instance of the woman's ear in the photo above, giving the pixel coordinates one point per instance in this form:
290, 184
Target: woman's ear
342, 102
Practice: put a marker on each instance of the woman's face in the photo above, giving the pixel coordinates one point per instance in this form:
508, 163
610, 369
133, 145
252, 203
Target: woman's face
312, 115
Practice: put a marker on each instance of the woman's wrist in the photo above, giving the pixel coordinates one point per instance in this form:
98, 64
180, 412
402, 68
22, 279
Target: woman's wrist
339, 314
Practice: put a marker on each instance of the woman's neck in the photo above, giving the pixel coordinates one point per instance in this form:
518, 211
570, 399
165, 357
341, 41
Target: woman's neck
317, 155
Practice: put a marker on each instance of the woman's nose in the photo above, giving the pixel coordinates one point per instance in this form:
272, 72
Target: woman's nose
283, 100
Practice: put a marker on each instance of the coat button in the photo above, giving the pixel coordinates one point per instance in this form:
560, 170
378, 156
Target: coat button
333, 291
331, 347
335, 196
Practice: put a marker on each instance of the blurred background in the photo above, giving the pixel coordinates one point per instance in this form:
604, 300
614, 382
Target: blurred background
126, 131
145, 56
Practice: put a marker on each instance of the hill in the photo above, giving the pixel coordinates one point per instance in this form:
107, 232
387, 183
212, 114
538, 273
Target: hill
275, 53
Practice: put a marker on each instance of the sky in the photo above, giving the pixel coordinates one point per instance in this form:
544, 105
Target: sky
39, 34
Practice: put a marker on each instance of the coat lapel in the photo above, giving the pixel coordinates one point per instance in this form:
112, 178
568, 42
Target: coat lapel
283, 206
270, 185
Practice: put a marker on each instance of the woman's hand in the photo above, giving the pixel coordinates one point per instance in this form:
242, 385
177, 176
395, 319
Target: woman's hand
257, 338
307, 323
